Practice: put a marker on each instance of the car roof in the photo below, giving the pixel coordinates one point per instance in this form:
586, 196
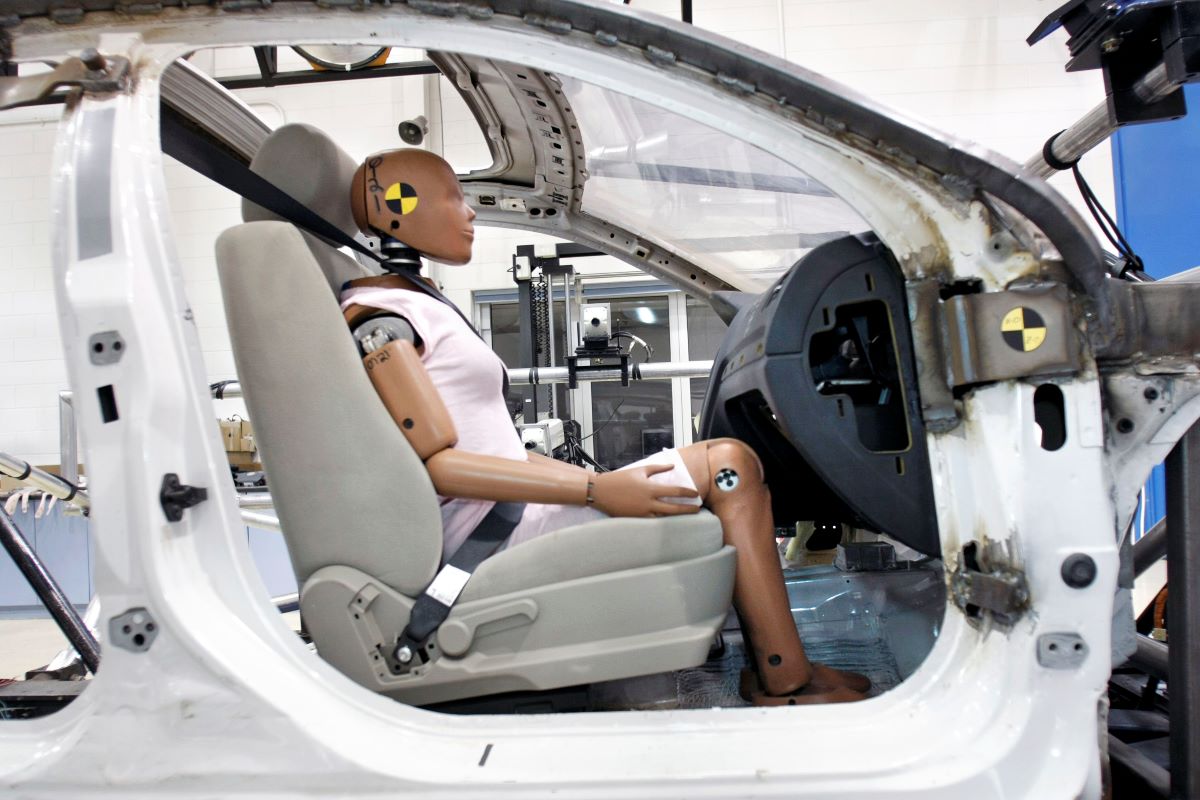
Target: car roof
570, 47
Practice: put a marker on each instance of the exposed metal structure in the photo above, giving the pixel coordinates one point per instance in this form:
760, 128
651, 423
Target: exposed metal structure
48, 591
980, 717
1183, 611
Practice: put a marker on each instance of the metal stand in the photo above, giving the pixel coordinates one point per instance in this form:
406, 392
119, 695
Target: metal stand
1183, 613
49, 593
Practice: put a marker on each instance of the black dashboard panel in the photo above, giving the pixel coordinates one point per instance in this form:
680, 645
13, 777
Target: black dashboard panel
817, 376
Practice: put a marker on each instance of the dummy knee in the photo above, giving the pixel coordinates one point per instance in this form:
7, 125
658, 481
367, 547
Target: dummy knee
732, 465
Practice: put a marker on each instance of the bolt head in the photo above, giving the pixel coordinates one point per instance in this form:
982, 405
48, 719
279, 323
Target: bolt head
404, 655
92, 59
1078, 570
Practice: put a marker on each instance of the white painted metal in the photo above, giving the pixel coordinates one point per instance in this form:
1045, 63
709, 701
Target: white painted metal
227, 700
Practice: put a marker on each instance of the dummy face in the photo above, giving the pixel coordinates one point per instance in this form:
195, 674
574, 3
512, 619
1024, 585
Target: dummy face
414, 196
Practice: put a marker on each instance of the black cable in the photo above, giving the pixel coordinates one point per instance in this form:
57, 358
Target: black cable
1103, 219
217, 390
1108, 226
636, 374
605, 425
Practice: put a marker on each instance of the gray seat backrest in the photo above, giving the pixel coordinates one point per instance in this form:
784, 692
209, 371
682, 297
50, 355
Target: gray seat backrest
347, 487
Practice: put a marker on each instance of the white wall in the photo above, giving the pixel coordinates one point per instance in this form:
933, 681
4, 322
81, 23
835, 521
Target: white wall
960, 65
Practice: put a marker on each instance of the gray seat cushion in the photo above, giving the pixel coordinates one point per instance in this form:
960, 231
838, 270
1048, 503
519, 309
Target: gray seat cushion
609, 545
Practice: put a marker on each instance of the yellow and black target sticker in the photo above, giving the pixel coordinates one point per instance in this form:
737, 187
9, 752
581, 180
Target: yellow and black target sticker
401, 198
1023, 329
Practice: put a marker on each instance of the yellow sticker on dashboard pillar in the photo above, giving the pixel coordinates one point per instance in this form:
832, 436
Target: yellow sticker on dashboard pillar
1023, 329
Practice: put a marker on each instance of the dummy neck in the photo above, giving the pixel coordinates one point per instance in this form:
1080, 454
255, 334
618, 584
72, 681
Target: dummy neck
399, 258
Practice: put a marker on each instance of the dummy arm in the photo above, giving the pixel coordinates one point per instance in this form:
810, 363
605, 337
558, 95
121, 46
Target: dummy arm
396, 371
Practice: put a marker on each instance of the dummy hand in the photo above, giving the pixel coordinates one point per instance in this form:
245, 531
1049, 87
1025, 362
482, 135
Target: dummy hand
631, 493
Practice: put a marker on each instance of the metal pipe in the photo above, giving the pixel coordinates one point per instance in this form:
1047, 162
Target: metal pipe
1151, 657
1183, 612
1150, 548
264, 521
40, 479
49, 593
257, 500
651, 371
1152, 777
68, 439
1095, 126
542, 376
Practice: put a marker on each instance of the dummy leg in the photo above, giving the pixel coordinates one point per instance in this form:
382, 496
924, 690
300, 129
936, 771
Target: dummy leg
729, 477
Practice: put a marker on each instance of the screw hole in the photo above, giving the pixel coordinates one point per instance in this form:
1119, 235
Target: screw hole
98, 347
139, 639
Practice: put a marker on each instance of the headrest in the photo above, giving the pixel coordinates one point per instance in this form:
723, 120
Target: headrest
305, 163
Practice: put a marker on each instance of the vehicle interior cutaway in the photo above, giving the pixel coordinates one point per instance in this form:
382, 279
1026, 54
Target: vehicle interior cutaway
816, 373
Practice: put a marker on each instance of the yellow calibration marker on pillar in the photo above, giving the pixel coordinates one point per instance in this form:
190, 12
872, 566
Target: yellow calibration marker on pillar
1023, 329
401, 198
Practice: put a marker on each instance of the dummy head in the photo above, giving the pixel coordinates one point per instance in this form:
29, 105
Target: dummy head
413, 196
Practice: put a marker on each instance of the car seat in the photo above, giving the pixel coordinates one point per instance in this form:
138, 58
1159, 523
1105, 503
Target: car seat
600, 601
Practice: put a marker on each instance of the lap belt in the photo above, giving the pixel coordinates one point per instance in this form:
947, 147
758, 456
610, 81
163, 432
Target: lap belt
433, 606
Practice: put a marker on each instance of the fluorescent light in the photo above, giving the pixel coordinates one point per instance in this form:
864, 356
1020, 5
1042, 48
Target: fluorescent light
645, 315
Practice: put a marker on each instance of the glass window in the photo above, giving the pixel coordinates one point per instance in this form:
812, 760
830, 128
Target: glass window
506, 343
632, 422
705, 330
739, 212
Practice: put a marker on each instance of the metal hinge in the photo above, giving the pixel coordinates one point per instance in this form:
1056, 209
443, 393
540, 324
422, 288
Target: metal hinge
991, 586
90, 72
983, 337
176, 496
993, 336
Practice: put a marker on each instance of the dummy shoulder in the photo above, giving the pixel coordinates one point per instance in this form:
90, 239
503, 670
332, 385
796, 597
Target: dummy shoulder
376, 331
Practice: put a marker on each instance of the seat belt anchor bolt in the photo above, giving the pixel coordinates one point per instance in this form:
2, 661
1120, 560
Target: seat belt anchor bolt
404, 654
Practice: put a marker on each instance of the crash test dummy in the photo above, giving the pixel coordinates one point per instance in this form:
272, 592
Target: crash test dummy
444, 387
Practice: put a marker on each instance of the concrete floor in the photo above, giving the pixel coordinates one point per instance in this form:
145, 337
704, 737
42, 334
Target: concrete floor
26, 644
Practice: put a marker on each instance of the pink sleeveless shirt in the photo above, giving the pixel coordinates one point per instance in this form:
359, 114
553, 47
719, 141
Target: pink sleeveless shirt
469, 377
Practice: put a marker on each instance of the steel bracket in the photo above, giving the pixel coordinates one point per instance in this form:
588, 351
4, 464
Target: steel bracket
995, 336
1002, 591
91, 72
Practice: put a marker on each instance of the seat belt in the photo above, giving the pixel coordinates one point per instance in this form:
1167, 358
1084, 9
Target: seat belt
434, 604
183, 143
